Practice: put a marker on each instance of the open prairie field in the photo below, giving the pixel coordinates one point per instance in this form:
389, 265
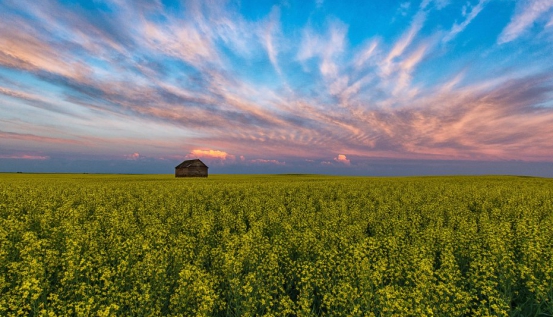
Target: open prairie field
279, 245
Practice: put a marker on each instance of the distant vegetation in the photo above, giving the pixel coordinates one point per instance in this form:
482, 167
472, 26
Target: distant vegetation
100, 245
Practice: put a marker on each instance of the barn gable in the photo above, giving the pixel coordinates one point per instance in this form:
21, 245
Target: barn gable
191, 168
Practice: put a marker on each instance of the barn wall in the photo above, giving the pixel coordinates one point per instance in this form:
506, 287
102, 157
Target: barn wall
192, 171
180, 172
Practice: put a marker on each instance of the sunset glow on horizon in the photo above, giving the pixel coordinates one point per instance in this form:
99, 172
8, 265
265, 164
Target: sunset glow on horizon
342, 87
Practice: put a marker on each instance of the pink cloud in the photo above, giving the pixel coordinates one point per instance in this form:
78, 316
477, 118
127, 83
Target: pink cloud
24, 157
210, 154
21, 49
341, 158
133, 157
17, 94
36, 138
182, 41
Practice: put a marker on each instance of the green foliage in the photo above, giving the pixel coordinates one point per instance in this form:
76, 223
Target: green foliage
105, 245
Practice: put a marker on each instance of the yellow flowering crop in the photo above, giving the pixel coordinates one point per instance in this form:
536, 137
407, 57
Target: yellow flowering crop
116, 245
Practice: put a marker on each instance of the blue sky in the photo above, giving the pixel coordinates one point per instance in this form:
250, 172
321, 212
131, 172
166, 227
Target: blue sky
339, 87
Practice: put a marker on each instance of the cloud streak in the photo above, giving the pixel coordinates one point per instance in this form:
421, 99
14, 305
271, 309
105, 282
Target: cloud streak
24, 157
527, 13
457, 28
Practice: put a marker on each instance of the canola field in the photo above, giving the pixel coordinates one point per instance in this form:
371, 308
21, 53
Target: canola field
275, 245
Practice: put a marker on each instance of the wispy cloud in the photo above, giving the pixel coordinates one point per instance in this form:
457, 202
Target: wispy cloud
326, 47
408, 37
527, 12
365, 54
459, 27
403, 8
24, 157
268, 34
36, 138
439, 4
18, 94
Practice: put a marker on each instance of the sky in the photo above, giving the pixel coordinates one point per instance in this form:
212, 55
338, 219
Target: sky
431, 87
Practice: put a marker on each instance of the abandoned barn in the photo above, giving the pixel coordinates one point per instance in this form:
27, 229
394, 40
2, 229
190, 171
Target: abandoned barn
191, 168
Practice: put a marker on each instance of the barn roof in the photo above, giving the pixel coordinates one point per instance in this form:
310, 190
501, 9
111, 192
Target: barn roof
191, 163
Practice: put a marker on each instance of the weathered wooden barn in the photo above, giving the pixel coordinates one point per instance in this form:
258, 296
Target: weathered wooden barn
191, 168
